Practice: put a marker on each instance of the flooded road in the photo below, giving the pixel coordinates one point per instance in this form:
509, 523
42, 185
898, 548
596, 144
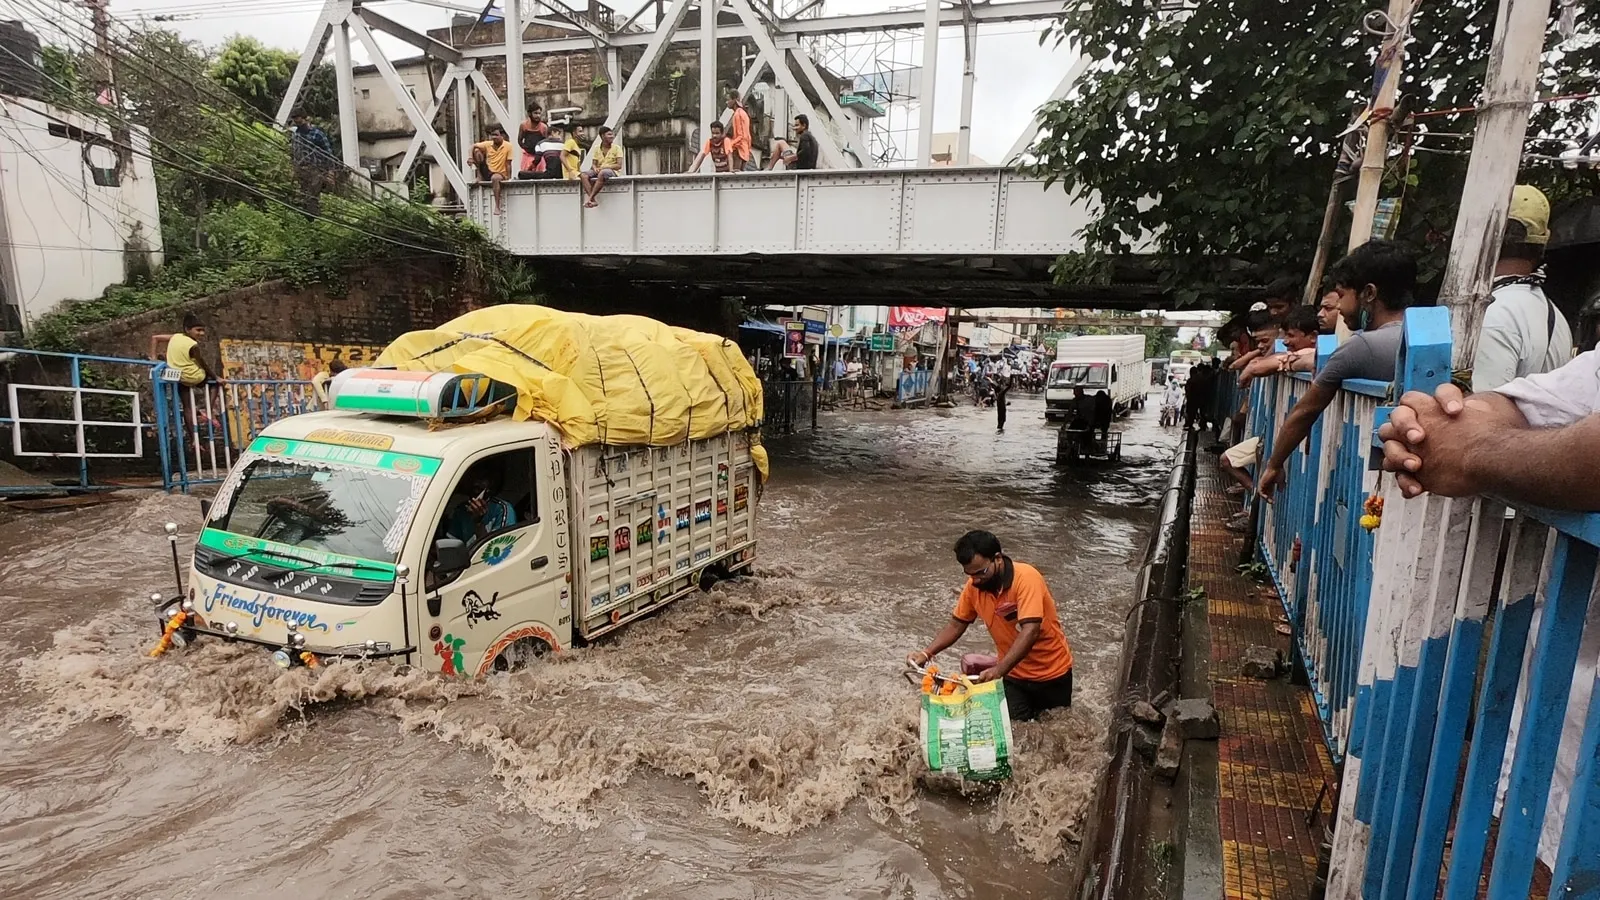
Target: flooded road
757, 742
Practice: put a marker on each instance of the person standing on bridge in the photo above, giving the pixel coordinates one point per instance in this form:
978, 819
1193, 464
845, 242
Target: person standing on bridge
739, 134
1033, 658
607, 165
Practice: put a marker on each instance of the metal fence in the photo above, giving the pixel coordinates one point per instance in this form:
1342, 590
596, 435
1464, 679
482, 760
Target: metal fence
788, 406
119, 421
1311, 537
1453, 652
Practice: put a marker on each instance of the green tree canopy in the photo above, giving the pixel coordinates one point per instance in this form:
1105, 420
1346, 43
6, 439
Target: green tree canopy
1227, 116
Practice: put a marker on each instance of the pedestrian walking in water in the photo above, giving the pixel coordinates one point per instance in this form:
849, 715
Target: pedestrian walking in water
1002, 385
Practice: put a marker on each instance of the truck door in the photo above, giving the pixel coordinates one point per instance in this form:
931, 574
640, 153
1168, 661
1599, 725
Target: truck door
505, 584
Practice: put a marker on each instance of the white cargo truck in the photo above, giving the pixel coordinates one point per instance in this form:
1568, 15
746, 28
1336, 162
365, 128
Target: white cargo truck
1097, 363
418, 521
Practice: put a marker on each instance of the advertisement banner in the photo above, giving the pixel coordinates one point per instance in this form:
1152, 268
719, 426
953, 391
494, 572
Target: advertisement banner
794, 338
915, 316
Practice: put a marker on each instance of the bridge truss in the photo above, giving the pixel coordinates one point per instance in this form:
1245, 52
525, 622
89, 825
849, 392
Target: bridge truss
786, 46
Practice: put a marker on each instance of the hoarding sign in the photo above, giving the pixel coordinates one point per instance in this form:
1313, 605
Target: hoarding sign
815, 331
794, 338
915, 316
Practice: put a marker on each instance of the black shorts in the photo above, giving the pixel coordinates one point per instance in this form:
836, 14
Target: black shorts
1025, 700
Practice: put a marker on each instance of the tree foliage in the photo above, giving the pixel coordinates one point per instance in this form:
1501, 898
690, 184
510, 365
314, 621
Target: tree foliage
1215, 129
230, 204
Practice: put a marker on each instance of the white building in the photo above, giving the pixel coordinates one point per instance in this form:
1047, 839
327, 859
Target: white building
74, 218
383, 130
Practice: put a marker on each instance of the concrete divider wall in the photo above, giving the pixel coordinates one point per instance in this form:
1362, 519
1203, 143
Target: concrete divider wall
1116, 838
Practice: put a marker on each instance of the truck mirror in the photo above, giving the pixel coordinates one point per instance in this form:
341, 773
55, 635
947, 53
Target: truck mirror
450, 555
205, 509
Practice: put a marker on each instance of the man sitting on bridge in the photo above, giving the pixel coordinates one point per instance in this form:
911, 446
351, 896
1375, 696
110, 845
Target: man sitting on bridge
1374, 282
1015, 604
493, 159
607, 164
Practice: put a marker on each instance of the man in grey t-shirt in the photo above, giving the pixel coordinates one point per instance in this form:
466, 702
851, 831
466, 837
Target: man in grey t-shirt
1374, 283
1369, 355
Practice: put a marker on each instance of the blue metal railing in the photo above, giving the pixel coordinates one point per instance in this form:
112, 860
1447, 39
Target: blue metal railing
195, 431
1453, 652
1311, 537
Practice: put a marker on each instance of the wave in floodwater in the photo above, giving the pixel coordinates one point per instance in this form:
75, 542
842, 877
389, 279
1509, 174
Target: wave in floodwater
564, 732
776, 701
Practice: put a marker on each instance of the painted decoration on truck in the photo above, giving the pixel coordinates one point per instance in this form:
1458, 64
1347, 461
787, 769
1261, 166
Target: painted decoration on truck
622, 541
741, 497
663, 573
722, 506
702, 556
702, 511
683, 563
623, 590
643, 533
683, 518
449, 650
498, 550
599, 547
722, 474
644, 580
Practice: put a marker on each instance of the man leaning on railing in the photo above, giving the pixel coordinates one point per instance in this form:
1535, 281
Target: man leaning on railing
1532, 441
1375, 282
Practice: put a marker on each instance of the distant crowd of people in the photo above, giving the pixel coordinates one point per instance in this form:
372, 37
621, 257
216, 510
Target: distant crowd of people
1517, 426
551, 150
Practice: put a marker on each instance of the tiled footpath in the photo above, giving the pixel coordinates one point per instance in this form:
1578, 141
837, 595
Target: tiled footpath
1271, 761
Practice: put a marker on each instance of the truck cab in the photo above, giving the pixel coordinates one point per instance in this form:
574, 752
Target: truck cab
372, 531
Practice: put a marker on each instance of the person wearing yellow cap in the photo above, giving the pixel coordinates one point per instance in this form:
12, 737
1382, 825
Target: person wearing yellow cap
1523, 333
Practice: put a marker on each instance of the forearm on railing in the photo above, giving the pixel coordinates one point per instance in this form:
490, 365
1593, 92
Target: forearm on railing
1298, 423
1549, 467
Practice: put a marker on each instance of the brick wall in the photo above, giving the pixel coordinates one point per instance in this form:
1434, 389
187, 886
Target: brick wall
262, 328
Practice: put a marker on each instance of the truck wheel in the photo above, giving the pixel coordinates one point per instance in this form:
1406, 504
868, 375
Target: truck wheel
711, 576
520, 655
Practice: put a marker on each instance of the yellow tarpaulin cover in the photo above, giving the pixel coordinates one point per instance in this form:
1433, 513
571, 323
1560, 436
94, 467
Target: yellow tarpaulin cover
598, 379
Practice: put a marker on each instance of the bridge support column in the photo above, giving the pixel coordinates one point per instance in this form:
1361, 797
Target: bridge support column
708, 70
516, 73
925, 92
969, 74
345, 80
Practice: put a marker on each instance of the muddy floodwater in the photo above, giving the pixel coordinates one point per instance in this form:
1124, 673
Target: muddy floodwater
755, 742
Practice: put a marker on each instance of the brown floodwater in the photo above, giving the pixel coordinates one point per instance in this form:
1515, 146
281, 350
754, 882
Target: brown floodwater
755, 742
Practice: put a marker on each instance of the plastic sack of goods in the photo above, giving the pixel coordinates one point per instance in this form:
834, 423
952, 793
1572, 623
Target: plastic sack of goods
966, 728
624, 380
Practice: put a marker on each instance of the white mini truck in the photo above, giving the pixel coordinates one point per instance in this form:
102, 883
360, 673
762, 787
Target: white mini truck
344, 534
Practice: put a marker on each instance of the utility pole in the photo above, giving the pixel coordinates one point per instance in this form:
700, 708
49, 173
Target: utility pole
1387, 77
1509, 91
106, 83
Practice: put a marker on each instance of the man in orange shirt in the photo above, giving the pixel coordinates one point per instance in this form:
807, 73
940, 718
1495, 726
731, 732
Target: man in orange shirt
739, 133
1035, 661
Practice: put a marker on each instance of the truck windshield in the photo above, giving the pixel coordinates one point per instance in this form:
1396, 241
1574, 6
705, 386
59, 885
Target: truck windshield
1080, 375
332, 507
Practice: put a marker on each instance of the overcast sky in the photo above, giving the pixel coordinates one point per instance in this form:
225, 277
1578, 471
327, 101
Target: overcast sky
1014, 74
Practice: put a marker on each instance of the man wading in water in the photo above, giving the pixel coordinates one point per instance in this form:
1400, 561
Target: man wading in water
1015, 603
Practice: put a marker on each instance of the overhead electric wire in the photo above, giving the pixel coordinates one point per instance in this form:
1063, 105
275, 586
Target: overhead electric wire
247, 187
207, 89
